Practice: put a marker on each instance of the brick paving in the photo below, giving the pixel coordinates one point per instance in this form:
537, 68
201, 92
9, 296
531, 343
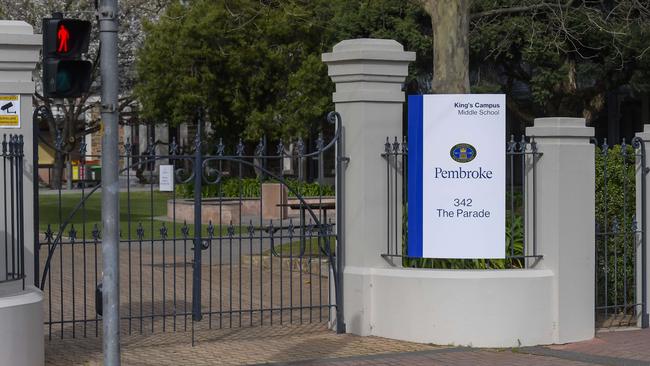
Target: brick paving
156, 290
228, 347
314, 344
237, 333
624, 344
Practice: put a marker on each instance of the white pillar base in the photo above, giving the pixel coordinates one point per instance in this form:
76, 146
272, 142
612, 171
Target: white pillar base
21, 327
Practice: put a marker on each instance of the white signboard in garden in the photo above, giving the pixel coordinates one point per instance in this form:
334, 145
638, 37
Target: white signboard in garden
456, 176
166, 178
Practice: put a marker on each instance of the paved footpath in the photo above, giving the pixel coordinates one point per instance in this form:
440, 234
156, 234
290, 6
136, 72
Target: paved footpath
315, 345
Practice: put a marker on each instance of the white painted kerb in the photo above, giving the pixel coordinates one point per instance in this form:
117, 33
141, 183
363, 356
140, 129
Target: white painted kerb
500, 308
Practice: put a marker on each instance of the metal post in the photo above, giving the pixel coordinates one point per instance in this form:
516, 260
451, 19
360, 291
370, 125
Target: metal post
110, 182
198, 246
644, 241
340, 228
37, 240
68, 173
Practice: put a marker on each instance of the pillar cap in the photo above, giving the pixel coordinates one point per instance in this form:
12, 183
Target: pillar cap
645, 135
366, 49
19, 53
17, 32
368, 70
560, 127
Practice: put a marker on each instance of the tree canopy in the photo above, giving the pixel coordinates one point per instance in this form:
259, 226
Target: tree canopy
565, 56
255, 65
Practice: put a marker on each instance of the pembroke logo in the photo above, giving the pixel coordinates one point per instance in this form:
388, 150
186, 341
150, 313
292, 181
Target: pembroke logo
463, 153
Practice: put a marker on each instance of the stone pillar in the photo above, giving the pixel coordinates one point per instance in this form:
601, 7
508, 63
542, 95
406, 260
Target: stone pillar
642, 176
162, 136
21, 314
143, 139
565, 209
369, 74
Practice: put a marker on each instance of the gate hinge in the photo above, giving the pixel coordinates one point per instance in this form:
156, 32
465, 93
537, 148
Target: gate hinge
646, 170
344, 159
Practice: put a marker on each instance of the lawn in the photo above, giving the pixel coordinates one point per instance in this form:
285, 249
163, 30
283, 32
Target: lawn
135, 208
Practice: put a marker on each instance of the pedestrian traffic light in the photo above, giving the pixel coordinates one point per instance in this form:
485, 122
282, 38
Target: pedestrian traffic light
65, 73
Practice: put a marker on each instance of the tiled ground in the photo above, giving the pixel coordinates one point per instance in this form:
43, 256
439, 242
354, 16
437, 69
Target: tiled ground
235, 291
228, 347
316, 345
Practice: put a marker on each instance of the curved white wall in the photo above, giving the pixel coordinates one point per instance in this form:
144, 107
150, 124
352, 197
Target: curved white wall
501, 308
21, 326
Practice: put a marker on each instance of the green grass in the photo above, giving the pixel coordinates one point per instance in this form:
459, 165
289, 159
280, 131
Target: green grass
311, 248
135, 208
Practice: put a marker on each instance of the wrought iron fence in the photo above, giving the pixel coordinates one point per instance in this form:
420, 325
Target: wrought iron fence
520, 247
236, 243
12, 226
620, 235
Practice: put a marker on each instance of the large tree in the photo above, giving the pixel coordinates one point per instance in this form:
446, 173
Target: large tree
256, 65
450, 24
568, 54
565, 55
252, 65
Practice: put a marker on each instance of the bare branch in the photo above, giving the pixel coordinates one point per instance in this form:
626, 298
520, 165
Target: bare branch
517, 9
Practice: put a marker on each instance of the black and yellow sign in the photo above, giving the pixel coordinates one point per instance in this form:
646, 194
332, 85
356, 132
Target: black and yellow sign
9, 111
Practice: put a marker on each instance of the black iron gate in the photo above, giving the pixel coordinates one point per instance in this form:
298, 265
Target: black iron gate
620, 235
243, 239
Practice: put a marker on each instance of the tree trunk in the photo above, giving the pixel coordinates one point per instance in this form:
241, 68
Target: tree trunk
57, 171
450, 22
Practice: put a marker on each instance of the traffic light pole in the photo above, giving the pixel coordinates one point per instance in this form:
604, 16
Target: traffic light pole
110, 182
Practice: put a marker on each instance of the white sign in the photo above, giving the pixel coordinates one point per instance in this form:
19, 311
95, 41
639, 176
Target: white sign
457, 176
166, 178
9, 111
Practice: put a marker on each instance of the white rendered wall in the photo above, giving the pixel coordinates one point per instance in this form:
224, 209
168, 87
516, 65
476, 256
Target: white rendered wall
508, 308
21, 313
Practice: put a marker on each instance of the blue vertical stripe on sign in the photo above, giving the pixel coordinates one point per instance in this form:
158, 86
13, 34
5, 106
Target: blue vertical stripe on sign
415, 171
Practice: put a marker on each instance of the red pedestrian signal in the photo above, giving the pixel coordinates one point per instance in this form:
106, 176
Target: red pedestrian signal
65, 73
62, 37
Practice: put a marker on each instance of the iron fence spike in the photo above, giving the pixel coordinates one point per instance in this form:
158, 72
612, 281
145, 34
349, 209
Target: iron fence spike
240, 147
320, 142
220, 147
280, 149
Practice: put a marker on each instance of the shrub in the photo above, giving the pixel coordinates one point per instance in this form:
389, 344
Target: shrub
251, 188
615, 215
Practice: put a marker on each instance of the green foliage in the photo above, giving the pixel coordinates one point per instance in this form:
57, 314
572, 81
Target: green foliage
249, 63
568, 56
615, 212
229, 188
256, 66
251, 188
313, 189
403, 21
